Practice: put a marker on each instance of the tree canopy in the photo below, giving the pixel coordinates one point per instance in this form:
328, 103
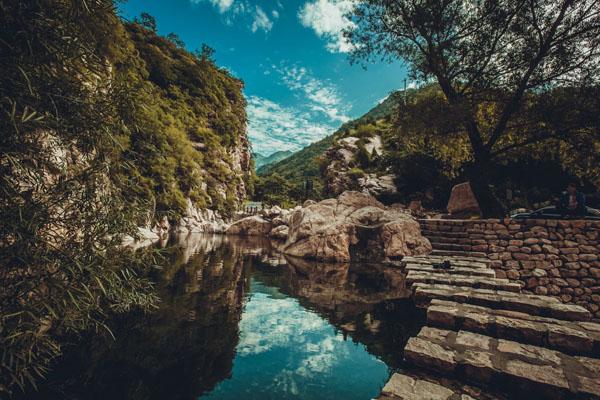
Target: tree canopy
486, 54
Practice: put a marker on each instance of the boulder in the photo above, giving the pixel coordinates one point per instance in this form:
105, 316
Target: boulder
280, 232
334, 229
250, 226
462, 201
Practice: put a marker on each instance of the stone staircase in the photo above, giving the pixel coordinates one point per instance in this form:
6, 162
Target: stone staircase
483, 331
450, 240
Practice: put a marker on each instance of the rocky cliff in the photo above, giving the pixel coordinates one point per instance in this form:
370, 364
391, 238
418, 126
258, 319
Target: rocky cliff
189, 142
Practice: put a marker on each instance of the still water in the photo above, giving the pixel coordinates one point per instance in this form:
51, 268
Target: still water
239, 321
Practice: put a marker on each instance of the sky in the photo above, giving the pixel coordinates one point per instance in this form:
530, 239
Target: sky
299, 83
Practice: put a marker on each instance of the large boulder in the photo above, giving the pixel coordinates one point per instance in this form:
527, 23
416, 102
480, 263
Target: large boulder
463, 202
339, 229
250, 226
280, 232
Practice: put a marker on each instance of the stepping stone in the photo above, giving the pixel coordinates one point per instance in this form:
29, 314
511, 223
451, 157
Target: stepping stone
453, 261
544, 306
442, 278
464, 271
538, 372
404, 387
572, 337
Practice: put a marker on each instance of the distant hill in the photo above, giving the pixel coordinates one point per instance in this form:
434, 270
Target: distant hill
261, 161
303, 164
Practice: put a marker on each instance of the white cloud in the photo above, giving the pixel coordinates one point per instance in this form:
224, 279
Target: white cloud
327, 18
234, 10
222, 5
321, 95
261, 21
273, 127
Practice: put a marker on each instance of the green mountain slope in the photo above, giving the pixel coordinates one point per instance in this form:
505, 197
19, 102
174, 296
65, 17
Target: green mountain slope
261, 161
304, 164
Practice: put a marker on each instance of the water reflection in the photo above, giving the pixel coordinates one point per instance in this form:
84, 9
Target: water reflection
238, 320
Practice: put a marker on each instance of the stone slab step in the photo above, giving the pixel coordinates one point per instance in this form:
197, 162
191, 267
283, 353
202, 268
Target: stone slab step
451, 246
457, 253
442, 278
434, 233
543, 306
572, 337
459, 271
521, 368
460, 261
404, 387
448, 240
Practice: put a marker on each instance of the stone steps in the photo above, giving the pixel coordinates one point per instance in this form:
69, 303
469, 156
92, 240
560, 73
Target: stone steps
448, 240
572, 337
451, 246
460, 253
405, 387
543, 306
446, 234
455, 260
460, 271
442, 278
530, 371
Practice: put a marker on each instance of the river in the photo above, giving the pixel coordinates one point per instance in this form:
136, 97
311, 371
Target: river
239, 321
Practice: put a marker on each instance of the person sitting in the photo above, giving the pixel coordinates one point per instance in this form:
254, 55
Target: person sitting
572, 201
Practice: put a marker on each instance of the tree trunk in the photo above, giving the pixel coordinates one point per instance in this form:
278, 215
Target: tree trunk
479, 176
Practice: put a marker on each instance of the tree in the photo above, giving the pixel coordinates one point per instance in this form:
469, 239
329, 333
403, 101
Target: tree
148, 21
206, 53
495, 52
176, 40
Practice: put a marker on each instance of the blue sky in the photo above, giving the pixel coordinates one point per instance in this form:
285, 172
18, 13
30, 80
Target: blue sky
299, 83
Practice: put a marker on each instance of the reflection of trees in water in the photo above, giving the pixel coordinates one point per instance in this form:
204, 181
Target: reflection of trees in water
178, 352
367, 302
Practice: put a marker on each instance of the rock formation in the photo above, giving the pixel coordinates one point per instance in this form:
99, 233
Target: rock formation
462, 202
350, 226
340, 175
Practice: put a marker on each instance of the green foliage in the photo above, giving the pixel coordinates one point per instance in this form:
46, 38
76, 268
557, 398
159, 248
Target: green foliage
356, 173
362, 156
273, 190
147, 21
184, 115
63, 206
101, 124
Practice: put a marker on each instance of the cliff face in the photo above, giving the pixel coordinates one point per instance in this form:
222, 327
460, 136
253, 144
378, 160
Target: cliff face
188, 137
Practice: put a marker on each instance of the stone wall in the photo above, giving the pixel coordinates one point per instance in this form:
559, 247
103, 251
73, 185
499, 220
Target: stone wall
549, 257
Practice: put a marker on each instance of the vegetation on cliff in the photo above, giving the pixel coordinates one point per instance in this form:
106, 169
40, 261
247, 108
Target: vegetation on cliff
102, 123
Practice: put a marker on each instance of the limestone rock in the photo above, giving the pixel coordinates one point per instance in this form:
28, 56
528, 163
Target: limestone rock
250, 226
331, 229
462, 201
280, 232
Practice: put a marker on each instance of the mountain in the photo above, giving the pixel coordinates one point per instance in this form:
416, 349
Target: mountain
261, 161
305, 164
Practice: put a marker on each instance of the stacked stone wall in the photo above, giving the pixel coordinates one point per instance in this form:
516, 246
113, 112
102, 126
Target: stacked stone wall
560, 258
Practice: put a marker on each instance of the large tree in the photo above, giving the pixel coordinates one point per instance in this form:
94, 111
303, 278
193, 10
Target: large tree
484, 51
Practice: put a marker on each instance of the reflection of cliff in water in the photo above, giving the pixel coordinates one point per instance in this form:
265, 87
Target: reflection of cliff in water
367, 302
178, 352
